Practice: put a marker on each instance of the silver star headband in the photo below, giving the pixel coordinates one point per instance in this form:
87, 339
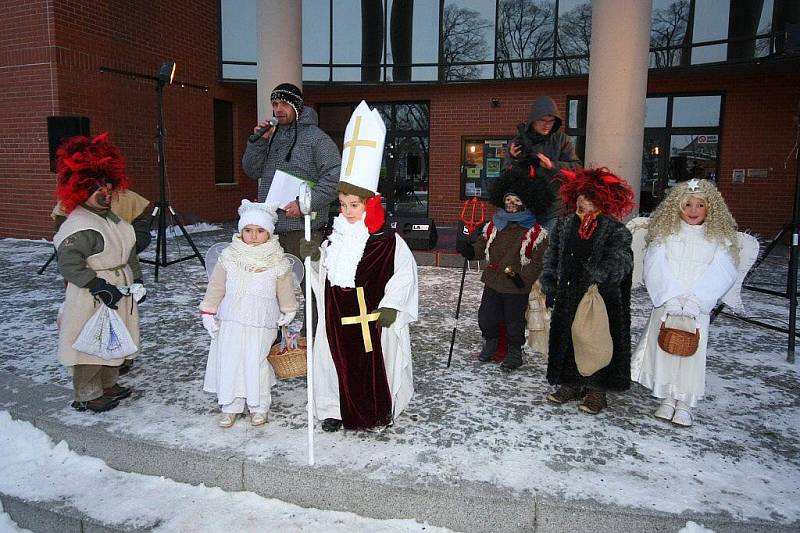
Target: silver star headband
693, 185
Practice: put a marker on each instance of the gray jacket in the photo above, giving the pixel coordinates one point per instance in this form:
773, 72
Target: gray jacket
314, 157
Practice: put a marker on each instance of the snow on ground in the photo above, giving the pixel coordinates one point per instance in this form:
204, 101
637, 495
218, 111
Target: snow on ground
470, 422
34, 469
692, 527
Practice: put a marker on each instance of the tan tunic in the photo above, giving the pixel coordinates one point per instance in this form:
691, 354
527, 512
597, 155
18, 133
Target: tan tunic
111, 265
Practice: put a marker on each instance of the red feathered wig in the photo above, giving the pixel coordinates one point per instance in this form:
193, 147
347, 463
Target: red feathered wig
609, 193
83, 165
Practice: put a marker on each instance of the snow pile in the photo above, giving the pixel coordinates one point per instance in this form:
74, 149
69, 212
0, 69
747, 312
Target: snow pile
7, 525
693, 527
34, 469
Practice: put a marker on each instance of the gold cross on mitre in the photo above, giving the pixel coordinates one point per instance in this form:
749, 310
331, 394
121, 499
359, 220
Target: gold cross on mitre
354, 143
363, 318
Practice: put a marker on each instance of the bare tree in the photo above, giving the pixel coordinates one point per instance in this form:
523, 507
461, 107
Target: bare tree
462, 41
668, 28
574, 39
524, 33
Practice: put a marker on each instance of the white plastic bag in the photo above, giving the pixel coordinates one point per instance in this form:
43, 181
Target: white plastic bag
104, 335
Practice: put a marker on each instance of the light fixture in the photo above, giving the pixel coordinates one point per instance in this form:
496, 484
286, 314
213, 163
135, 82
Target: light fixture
495, 102
166, 73
655, 150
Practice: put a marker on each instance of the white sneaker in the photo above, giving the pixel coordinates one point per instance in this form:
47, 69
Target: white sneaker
226, 420
683, 415
666, 410
258, 419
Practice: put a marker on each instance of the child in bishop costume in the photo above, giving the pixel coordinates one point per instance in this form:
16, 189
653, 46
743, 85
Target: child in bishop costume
513, 244
366, 290
691, 260
250, 294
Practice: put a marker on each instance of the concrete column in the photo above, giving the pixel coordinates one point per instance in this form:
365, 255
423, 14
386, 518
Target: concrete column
280, 48
618, 64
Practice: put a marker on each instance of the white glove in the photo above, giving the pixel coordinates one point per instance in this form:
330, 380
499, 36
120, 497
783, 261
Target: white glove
673, 307
691, 307
210, 323
286, 318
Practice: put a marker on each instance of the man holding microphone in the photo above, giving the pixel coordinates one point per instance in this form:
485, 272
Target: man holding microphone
295, 145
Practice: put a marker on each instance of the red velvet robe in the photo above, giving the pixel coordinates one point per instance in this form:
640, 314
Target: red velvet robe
364, 396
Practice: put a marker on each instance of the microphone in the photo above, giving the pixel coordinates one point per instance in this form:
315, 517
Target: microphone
257, 135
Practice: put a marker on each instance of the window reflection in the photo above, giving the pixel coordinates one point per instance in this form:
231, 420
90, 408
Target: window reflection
525, 38
655, 115
467, 37
668, 28
696, 111
574, 36
710, 24
316, 34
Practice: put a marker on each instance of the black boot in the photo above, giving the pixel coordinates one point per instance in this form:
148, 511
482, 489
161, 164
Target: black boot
489, 348
331, 424
513, 358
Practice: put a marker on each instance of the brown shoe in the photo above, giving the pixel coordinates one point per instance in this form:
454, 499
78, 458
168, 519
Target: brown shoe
564, 394
98, 405
593, 402
117, 392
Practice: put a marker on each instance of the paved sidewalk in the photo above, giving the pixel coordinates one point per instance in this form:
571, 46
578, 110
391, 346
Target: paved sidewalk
476, 450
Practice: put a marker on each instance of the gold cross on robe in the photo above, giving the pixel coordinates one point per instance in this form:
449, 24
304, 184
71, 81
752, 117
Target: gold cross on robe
363, 318
354, 143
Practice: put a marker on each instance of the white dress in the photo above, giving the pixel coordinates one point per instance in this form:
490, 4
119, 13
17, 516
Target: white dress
237, 367
686, 263
401, 293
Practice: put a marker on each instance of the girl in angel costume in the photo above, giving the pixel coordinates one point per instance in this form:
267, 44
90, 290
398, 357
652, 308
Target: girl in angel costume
694, 256
366, 289
250, 294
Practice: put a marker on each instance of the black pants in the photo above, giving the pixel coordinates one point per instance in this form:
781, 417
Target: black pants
497, 307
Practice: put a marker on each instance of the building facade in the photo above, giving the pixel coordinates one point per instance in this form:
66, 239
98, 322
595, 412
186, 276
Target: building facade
452, 78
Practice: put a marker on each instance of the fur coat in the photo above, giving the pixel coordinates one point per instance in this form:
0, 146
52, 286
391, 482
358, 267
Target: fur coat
570, 267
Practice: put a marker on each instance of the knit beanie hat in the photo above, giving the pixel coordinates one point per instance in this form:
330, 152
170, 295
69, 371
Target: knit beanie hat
261, 215
290, 94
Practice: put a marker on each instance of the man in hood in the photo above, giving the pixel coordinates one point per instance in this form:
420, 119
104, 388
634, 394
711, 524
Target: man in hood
296, 146
544, 149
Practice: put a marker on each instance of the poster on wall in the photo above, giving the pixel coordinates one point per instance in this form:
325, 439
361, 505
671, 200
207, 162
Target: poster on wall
492, 167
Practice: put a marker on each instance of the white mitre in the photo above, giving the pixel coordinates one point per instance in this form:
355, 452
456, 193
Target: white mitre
362, 155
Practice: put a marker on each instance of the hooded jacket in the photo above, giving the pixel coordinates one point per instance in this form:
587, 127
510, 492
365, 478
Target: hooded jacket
556, 145
312, 155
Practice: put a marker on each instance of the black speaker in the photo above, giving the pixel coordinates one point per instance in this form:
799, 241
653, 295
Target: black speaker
418, 232
412, 165
60, 128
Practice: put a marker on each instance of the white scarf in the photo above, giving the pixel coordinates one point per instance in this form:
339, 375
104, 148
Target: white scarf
344, 251
248, 258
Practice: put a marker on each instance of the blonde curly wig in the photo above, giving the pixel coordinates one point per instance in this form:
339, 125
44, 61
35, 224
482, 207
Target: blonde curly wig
719, 224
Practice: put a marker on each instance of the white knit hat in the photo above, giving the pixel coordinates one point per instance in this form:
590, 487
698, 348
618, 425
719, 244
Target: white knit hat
261, 215
363, 152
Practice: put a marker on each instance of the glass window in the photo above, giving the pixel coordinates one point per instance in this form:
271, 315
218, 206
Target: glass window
468, 37
710, 24
419, 45
655, 115
353, 46
238, 39
574, 36
525, 38
316, 32
223, 141
481, 163
697, 111
668, 26
692, 156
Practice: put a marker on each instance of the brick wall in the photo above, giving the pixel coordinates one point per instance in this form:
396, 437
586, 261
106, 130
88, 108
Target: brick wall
757, 128
52, 53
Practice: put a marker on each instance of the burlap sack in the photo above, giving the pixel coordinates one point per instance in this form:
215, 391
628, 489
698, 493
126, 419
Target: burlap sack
538, 320
591, 336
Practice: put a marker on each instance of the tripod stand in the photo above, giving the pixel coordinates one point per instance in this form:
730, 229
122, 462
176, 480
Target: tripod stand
163, 206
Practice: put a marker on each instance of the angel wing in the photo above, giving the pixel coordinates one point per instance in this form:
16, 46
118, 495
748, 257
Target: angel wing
212, 256
297, 269
748, 253
638, 228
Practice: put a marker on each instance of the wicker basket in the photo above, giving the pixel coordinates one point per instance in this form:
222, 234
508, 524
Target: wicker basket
678, 341
287, 362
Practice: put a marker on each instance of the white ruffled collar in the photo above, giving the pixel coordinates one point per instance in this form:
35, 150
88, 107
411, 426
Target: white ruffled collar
344, 251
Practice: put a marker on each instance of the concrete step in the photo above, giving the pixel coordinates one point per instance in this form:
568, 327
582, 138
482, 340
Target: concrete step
462, 506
